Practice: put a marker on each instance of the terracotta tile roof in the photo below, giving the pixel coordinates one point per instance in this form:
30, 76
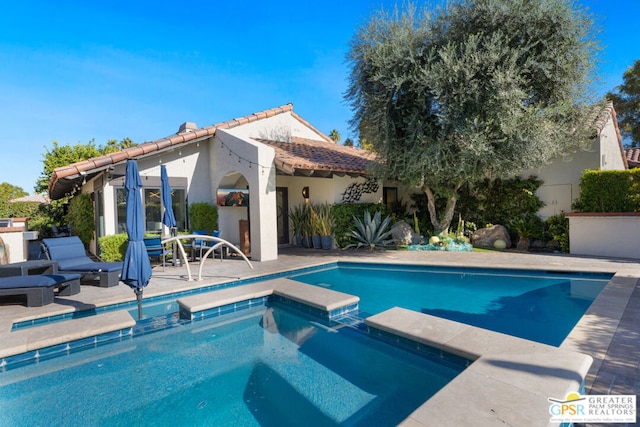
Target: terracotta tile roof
65, 179
633, 157
309, 157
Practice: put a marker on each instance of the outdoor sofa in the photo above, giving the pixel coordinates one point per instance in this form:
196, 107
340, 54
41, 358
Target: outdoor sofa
39, 289
70, 254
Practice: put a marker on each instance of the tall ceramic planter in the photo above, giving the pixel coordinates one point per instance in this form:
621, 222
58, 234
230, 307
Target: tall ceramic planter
317, 241
326, 242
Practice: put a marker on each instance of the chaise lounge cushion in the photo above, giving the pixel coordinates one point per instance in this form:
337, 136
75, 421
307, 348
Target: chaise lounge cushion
70, 254
73, 265
35, 280
38, 289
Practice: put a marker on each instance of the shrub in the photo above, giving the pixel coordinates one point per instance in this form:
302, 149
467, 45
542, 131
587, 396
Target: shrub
530, 226
500, 201
113, 247
203, 216
80, 217
343, 214
609, 191
558, 230
372, 233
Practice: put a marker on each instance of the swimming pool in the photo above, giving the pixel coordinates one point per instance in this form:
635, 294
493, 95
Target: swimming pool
542, 306
264, 366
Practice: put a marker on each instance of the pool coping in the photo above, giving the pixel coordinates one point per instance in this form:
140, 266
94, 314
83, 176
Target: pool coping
325, 302
23, 342
518, 374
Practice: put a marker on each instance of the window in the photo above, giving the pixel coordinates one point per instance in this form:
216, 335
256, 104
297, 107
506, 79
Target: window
121, 210
152, 208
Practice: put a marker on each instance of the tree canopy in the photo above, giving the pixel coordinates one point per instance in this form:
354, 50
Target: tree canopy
626, 101
10, 191
62, 155
481, 89
335, 136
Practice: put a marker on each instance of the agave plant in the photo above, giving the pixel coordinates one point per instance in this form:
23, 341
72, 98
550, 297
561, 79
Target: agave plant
371, 233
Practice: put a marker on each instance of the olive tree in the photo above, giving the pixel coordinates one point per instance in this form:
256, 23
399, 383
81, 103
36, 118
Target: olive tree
480, 89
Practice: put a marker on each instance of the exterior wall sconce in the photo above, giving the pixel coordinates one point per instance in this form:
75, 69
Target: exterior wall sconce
305, 193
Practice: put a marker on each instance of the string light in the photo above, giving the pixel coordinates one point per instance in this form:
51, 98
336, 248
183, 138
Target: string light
241, 159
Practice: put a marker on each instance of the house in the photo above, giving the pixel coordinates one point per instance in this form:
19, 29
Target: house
271, 155
561, 177
633, 157
279, 160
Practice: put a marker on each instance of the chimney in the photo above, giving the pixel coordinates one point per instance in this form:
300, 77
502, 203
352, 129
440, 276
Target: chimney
187, 127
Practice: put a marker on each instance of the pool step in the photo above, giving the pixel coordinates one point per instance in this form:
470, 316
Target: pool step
321, 302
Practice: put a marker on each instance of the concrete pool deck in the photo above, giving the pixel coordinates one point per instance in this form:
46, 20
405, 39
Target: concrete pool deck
609, 331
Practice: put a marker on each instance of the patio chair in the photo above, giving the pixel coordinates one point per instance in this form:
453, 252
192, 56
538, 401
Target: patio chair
58, 232
207, 244
155, 249
39, 289
71, 256
196, 244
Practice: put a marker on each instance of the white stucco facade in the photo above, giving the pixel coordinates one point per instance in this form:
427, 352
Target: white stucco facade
232, 158
561, 178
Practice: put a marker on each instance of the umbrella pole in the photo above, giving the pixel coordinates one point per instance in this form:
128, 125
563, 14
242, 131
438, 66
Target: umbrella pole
138, 292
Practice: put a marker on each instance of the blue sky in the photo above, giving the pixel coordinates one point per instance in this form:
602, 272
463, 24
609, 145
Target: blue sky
76, 71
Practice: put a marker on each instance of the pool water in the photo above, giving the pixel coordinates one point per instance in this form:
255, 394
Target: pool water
268, 366
539, 306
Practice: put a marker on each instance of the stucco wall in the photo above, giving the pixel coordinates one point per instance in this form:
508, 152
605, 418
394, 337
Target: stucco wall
562, 180
562, 177
610, 154
277, 128
607, 235
16, 245
252, 160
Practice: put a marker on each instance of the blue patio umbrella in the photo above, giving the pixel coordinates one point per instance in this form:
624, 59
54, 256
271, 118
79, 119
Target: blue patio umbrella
136, 270
168, 218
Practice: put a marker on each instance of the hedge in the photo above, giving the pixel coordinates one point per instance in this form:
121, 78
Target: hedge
609, 191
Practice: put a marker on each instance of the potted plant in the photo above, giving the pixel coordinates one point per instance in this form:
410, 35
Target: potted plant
325, 226
314, 216
298, 217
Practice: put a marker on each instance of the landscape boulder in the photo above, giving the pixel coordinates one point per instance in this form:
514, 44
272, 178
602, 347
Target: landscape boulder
486, 237
404, 235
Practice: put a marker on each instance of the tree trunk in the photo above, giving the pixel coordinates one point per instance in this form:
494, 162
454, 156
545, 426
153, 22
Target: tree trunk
441, 225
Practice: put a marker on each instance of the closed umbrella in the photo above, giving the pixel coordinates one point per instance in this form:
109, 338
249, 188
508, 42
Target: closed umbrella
136, 270
168, 218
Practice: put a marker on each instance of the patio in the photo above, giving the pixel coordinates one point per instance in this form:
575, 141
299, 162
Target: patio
608, 332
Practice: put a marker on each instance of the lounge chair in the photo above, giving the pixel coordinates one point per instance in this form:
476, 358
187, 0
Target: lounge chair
39, 289
70, 254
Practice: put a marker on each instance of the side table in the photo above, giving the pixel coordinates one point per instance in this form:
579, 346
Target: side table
25, 268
